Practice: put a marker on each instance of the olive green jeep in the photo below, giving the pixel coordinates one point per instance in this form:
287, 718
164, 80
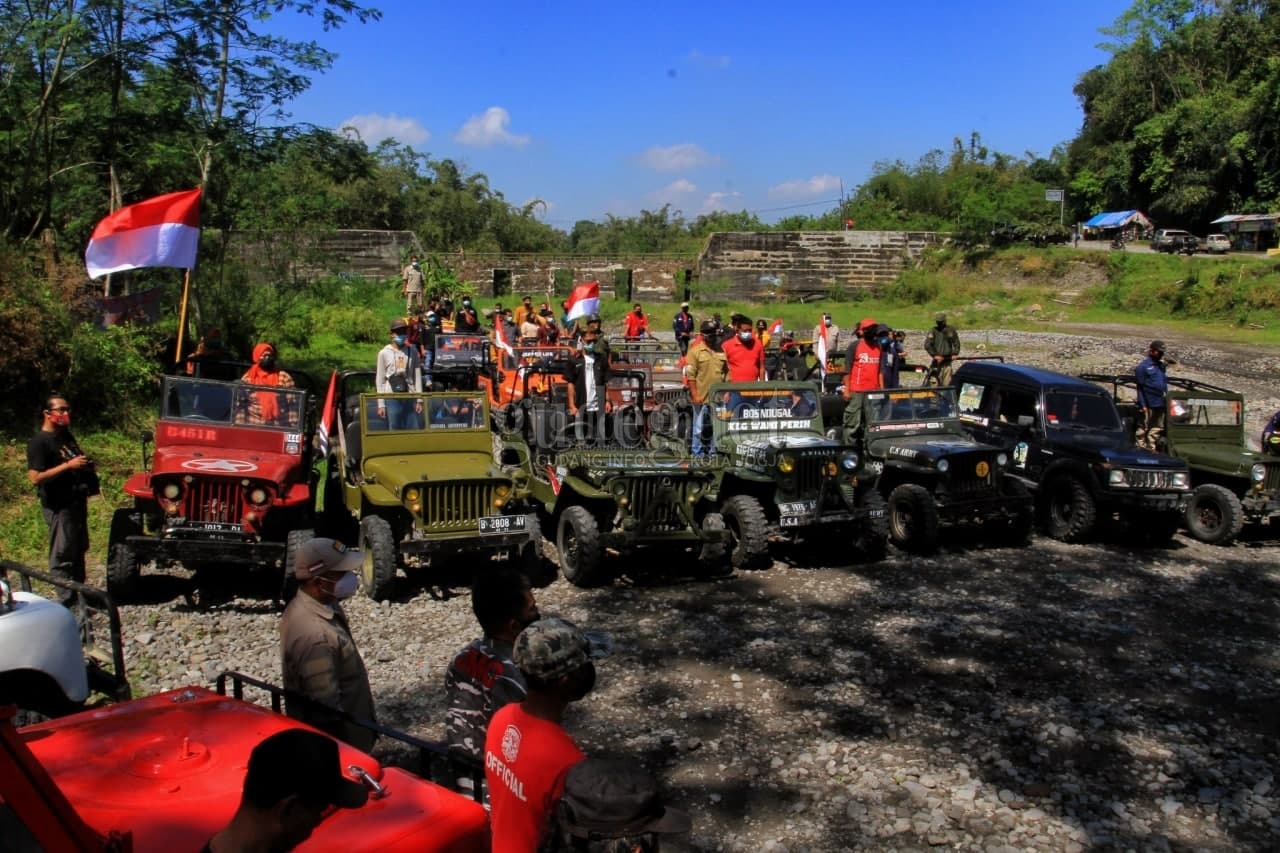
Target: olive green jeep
416, 472
1204, 426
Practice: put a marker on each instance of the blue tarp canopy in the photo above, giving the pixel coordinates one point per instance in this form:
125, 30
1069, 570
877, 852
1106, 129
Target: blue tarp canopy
1117, 219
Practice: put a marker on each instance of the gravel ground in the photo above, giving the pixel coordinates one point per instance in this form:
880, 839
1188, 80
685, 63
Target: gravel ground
1057, 697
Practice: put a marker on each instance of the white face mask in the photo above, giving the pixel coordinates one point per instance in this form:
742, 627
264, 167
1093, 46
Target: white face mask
347, 586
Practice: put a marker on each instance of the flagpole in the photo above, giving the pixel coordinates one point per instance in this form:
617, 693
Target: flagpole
182, 316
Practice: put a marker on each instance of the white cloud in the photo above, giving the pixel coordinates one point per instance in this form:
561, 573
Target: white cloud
815, 186
674, 192
676, 158
489, 128
707, 60
720, 201
373, 128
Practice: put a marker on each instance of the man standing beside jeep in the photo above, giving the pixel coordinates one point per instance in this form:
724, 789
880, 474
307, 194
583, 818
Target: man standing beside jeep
399, 371
65, 479
1152, 385
943, 345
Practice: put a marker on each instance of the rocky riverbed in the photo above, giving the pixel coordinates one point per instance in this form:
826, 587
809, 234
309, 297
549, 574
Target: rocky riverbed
1053, 697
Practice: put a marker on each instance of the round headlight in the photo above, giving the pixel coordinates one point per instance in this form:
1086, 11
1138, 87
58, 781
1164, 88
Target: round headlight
619, 488
1002, 459
411, 494
849, 461
944, 466
258, 496
172, 490
1116, 477
1258, 472
503, 490
787, 464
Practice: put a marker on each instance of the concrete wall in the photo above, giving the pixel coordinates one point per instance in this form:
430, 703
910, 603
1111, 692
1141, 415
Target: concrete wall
654, 278
803, 266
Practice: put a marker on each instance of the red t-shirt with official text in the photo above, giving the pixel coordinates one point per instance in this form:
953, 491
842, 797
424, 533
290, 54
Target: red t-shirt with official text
746, 360
525, 762
864, 369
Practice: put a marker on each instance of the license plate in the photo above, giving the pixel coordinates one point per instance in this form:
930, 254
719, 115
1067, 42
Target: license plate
876, 513
502, 524
792, 520
798, 507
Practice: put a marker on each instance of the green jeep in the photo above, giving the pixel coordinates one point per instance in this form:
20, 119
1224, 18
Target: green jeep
1204, 426
602, 488
934, 471
418, 473
778, 475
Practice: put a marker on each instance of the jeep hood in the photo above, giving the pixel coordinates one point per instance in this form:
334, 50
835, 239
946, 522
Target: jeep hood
1136, 457
777, 442
397, 469
931, 447
204, 461
1221, 458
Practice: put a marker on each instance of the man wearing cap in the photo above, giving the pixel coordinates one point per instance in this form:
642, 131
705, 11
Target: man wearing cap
863, 359
294, 777
526, 751
468, 321
707, 365
682, 326
412, 278
743, 352
942, 344
587, 378
610, 800
1152, 385
483, 677
399, 371
320, 659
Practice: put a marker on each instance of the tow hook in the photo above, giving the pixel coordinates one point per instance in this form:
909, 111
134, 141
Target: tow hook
376, 791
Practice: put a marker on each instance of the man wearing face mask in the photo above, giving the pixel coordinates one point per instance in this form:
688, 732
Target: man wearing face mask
399, 371
320, 659
744, 352
413, 279
65, 479
943, 345
468, 321
707, 365
526, 751
587, 377
267, 407
635, 326
833, 333
890, 357
483, 677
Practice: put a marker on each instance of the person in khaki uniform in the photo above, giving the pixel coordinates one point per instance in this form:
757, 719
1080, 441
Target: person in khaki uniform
319, 657
707, 365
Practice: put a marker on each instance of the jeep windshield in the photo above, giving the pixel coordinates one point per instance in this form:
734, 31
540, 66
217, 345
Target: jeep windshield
206, 400
460, 350
1205, 412
910, 405
767, 409
415, 413
1080, 410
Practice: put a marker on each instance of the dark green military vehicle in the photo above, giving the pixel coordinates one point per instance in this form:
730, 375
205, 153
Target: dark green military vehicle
1231, 484
417, 473
778, 475
934, 472
601, 488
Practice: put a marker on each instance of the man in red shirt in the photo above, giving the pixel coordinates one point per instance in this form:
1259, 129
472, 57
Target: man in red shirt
744, 352
864, 375
636, 325
526, 752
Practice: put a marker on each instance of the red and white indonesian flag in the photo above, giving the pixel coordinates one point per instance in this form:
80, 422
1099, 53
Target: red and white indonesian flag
777, 328
584, 300
160, 232
328, 416
822, 349
500, 340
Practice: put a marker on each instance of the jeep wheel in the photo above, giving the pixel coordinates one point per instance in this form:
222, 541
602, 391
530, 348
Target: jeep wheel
578, 542
1016, 531
123, 569
1070, 511
1214, 515
289, 583
378, 573
714, 556
913, 518
748, 532
873, 537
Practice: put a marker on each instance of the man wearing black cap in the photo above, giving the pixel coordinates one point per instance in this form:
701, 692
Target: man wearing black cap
682, 326
943, 345
1152, 385
294, 777
608, 801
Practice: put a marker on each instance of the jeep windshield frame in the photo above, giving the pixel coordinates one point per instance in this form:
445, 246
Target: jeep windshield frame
770, 410
454, 411
910, 405
212, 402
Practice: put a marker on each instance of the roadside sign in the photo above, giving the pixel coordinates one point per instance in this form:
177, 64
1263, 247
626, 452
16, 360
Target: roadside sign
1053, 195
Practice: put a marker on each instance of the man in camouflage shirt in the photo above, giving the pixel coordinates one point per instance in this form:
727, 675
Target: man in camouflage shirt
483, 677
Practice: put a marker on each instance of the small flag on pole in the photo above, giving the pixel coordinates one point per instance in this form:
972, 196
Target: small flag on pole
500, 340
777, 327
327, 416
584, 300
822, 350
160, 232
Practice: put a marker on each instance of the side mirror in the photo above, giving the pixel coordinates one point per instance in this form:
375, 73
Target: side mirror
147, 436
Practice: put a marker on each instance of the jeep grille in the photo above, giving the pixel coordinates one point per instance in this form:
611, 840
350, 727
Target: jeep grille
448, 507
809, 475
654, 499
213, 500
963, 480
1145, 478
1271, 483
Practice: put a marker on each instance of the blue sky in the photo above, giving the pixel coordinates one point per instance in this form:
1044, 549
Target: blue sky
600, 108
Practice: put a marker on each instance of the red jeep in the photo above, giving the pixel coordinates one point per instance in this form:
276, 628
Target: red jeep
232, 480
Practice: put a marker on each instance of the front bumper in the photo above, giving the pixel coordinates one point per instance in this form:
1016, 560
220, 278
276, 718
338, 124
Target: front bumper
1259, 508
1146, 501
189, 545
972, 509
471, 541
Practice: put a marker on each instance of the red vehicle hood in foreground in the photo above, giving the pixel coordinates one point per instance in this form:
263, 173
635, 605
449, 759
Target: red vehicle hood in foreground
169, 770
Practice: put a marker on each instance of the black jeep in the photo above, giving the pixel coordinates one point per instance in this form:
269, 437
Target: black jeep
1069, 446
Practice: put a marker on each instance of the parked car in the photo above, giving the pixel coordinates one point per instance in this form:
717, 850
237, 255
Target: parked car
1217, 244
1069, 446
1173, 240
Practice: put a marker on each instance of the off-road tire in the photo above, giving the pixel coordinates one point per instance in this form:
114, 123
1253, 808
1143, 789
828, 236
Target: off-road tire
123, 569
1070, 511
749, 532
378, 572
288, 581
1214, 515
714, 556
1016, 531
872, 538
578, 543
913, 518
